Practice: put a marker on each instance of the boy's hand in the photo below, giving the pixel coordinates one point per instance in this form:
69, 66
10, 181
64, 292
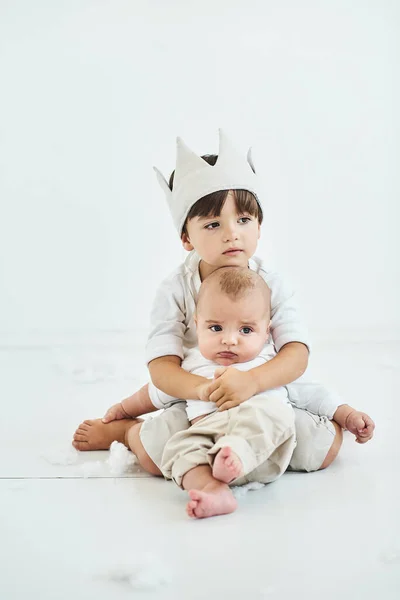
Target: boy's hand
361, 425
203, 390
231, 387
115, 413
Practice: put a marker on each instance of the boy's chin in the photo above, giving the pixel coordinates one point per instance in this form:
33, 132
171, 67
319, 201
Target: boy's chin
234, 261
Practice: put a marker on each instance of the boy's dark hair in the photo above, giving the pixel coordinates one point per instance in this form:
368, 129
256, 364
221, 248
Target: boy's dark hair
211, 205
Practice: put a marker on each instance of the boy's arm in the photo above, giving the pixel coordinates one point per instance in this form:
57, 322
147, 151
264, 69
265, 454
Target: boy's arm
167, 375
133, 406
289, 364
139, 403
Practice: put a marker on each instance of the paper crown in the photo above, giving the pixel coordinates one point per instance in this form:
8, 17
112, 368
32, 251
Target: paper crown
194, 178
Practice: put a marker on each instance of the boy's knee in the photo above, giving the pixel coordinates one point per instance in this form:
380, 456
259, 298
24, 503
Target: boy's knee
138, 449
334, 449
147, 464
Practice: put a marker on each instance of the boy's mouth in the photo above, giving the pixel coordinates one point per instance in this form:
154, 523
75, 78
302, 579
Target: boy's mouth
232, 251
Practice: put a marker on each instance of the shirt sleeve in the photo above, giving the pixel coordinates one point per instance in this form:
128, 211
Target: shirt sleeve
286, 322
167, 321
306, 393
160, 399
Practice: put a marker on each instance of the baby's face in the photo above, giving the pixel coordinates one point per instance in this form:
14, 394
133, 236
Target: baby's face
232, 331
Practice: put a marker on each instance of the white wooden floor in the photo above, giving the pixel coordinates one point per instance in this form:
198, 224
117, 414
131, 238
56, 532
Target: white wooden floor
333, 534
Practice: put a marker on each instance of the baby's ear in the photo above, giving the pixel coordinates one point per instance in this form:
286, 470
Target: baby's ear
186, 242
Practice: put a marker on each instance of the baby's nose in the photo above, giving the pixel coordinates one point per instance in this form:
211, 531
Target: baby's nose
230, 340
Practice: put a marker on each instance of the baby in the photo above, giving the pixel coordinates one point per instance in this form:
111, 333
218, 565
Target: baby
230, 338
251, 442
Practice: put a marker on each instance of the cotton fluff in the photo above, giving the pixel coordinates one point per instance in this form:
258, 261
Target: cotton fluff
240, 491
142, 573
120, 459
118, 462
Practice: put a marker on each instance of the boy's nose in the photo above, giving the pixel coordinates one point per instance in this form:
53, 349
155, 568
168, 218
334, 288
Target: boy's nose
231, 233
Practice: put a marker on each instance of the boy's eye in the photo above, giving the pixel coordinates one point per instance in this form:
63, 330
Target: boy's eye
246, 330
244, 219
216, 328
212, 225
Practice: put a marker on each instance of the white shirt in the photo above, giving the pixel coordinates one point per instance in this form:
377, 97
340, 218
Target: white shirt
173, 331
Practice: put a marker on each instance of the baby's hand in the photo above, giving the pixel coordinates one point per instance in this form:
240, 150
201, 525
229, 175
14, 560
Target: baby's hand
361, 425
231, 387
115, 413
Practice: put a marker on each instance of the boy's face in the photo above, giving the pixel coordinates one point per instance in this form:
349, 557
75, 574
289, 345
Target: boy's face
232, 331
213, 238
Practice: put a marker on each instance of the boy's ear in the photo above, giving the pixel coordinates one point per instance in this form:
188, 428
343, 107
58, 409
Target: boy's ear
186, 242
259, 230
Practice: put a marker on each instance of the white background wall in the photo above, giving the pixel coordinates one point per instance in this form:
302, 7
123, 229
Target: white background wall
93, 93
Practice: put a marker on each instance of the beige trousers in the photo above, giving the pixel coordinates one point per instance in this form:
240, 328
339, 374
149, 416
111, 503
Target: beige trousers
260, 431
315, 436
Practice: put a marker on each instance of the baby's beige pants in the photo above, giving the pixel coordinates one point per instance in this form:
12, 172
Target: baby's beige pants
261, 431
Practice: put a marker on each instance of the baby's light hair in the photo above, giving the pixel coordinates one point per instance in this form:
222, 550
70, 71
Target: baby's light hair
236, 282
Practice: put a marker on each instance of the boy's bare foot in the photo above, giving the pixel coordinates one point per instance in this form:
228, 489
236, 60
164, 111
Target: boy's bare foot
210, 502
227, 465
96, 435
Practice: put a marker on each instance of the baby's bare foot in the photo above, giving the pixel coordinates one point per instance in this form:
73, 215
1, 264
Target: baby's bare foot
96, 435
216, 501
227, 465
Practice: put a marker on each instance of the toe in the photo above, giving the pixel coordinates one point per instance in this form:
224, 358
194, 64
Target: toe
80, 445
194, 495
199, 513
88, 422
80, 438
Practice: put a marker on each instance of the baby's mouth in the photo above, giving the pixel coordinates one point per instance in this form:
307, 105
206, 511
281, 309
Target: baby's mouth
227, 354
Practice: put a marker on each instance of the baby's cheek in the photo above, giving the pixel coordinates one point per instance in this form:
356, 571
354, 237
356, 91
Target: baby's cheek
253, 348
206, 348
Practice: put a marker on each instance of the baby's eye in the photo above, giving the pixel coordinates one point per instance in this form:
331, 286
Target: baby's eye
216, 328
212, 225
246, 330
